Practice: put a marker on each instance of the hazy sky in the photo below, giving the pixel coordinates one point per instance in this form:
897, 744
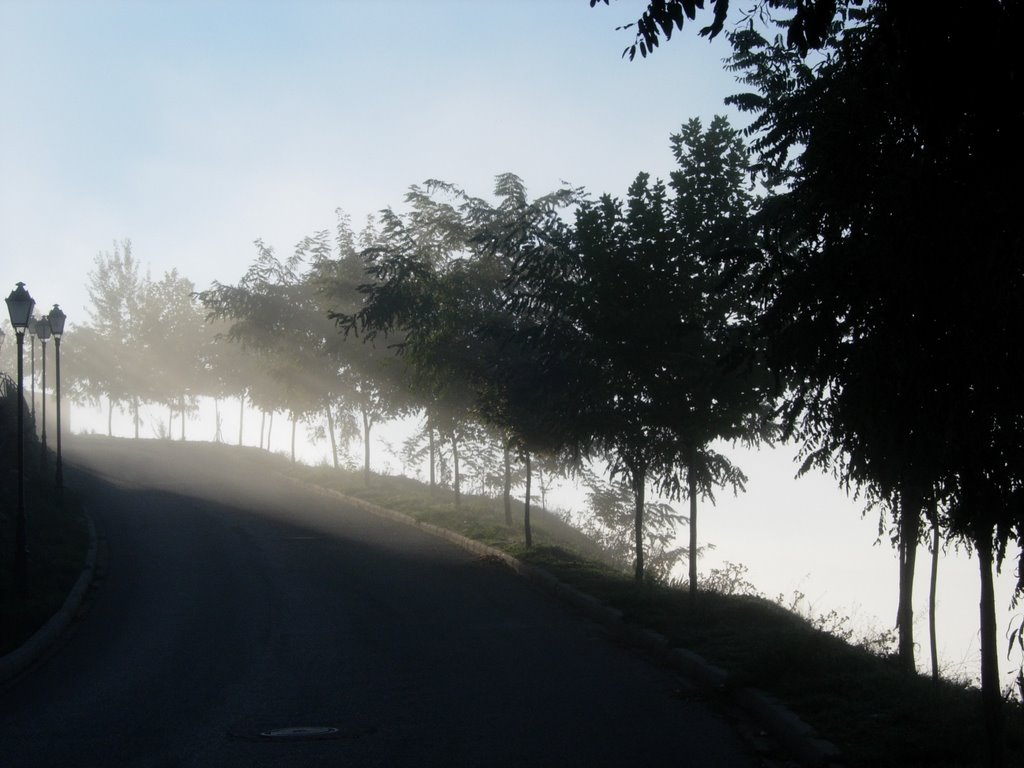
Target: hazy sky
196, 127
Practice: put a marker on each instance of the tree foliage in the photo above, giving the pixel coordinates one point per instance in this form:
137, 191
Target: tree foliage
807, 28
636, 317
890, 279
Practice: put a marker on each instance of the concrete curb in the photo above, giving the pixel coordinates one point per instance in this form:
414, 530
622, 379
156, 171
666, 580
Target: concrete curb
796, 736
32, 649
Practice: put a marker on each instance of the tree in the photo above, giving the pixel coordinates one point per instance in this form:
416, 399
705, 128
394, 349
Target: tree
275, 314
280, 311
372, 379
170, 344
231, 369
612, 506
438, 296
416, 303
516, 394
807, 28
109, 354
890, 281
717, 397
637, 310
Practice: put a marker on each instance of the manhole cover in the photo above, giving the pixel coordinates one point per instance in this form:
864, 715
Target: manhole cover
300, 732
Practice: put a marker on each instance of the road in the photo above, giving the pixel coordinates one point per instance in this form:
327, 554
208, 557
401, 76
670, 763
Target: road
234, 604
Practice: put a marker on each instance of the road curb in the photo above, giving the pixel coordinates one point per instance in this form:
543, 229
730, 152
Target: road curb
32, 649
796, 736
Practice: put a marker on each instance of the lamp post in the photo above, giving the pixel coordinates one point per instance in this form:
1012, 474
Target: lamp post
57, 318
32, 373
19, 306
42, 327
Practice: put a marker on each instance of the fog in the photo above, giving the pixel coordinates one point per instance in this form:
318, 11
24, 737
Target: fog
776, 529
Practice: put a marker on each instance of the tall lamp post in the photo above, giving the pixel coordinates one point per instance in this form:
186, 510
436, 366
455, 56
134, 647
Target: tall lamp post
42, 328
19, 306
57, 318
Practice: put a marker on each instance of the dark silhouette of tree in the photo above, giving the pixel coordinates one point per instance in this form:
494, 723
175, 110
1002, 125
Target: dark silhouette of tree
515, 394
373, 381
418, 302
806, 27
891, 279
636, 317
276, 315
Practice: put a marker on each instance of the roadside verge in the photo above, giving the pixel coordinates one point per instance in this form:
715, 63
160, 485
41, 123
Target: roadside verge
15, 662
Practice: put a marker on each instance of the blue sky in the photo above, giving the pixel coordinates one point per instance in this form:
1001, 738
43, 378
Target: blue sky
196, 127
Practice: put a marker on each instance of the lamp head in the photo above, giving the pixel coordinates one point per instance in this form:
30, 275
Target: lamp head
57, 318
19, 305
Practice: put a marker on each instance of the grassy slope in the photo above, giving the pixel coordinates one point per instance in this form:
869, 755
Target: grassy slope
57, 539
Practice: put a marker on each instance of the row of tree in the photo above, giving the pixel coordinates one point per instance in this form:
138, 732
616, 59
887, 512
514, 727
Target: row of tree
862, 304
886, 133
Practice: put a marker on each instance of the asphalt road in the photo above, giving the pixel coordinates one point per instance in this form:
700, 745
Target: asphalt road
233, 604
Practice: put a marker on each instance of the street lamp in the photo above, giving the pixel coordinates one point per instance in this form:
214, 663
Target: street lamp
19, 306
42, 328
57, 319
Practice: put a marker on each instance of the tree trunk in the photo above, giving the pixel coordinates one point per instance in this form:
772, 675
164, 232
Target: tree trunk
933, 515
135, 408
526, 503
991, 696
367, 426
218, 435
295, 423
455, 469
241, 417
110, 417
433, 458
170, 423
910, 532
270, 428
263, 424
691, 480
639, 489
334, 441
507, 490
182, 419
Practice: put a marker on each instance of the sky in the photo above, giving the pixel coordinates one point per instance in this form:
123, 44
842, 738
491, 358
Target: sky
194, 128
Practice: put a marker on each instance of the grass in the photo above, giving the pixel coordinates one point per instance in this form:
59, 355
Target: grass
861, 701
57, 539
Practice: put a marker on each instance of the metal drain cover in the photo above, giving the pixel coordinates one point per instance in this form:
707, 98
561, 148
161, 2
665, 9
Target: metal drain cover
300, 732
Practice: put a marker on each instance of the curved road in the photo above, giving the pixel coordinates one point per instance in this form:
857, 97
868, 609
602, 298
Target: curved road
234, 604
